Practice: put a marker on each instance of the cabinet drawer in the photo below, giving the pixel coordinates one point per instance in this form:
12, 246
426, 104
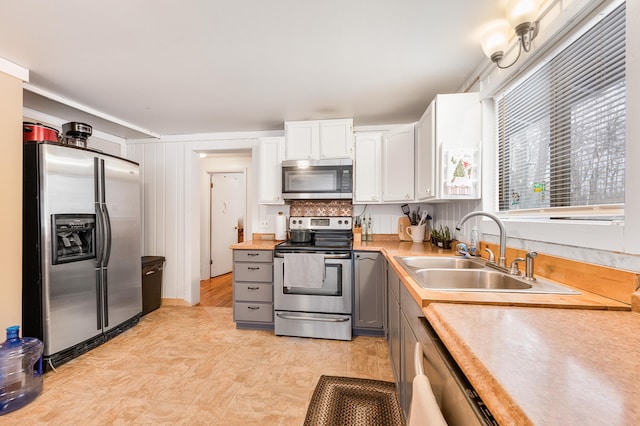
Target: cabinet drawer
253, 312
254, 272
253, 256
253, 292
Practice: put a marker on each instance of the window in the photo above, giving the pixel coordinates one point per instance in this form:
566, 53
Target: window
561, 130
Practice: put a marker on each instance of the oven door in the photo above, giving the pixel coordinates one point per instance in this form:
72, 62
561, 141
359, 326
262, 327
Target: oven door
335, 295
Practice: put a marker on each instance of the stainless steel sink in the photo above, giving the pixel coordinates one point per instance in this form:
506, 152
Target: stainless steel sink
478, 279
424, 262
458, 274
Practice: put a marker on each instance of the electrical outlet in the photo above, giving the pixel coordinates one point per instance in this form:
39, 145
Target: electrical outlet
264, 224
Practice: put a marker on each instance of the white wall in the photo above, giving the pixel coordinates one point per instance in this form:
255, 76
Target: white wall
172, 202
609, 244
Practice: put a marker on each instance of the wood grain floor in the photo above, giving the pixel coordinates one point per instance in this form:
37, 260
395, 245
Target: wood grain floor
217, 291
189, 365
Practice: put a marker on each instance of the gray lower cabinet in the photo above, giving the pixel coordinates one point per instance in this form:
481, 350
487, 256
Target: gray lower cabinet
410, 333
369, 284
403, 332
253, 289
393, 321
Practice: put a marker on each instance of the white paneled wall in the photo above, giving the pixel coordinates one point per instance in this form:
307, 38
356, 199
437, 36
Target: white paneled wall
162, 174
171, 205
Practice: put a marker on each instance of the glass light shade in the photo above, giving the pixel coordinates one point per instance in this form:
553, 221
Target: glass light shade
521, 11
495, 37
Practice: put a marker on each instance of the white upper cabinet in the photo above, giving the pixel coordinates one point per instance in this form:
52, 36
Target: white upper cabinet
398, 164
448, 148
271, 151
367, 168
336, 138
320, 139
425, 158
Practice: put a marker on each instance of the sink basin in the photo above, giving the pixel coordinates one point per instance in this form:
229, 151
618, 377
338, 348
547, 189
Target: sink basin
459, 274
478, 279
424, 262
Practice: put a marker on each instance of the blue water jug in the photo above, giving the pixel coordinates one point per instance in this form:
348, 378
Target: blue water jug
20, 370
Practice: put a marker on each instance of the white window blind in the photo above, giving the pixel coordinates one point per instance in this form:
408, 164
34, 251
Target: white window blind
561, 131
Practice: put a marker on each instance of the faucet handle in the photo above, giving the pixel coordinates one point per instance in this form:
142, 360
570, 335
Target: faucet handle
492, 258
513, 270
529, 265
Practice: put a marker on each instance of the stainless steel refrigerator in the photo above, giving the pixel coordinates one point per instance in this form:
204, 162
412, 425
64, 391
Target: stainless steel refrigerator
81, 248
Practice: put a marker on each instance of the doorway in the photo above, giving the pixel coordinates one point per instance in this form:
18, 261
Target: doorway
227, 213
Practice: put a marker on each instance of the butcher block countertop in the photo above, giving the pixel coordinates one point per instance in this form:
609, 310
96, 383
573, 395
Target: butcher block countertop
546, 366
255, 245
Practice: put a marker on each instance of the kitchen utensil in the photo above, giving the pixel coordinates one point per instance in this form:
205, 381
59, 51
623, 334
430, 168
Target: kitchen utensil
406, 210
403, 224
36, 132
423, 218
417, 233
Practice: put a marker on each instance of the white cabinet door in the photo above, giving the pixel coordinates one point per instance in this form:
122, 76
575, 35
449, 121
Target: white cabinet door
457, 146
398, 165
425, 155
270, 175
302, 140
367, 168
336, 138
320, 139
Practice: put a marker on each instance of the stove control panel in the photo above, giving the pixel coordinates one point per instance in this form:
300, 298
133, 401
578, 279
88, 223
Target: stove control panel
319, 223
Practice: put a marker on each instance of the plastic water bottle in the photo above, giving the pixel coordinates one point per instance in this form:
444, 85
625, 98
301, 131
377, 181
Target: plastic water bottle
20, 370
475, 239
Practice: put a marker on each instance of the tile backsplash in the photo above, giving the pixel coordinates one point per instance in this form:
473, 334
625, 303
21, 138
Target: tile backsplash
321, 208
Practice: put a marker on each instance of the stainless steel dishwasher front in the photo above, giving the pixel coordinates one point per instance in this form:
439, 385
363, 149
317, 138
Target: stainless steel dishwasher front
458, 400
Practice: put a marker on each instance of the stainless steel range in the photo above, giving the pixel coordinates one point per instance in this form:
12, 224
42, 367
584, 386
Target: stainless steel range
313, 288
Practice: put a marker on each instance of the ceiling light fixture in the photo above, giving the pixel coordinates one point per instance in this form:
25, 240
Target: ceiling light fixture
521, 15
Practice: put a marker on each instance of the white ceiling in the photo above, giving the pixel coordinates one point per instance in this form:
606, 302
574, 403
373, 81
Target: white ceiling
203, 66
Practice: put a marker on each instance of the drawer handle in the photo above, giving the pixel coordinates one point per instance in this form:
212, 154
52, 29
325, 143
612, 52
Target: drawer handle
253, 268
253, 288
253, 308
253, 254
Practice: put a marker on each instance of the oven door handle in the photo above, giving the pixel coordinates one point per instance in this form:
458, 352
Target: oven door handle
310, 318
328, 256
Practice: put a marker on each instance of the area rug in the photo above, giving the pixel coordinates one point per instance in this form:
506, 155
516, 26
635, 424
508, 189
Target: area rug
351, 401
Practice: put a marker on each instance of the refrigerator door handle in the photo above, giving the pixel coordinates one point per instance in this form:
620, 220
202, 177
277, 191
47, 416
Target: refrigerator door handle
105, 292
100, 237
107, 223
98, 299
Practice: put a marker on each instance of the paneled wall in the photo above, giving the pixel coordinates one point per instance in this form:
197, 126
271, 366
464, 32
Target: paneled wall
171, 188
163, 182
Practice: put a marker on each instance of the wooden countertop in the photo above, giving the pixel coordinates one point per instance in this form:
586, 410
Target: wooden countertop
546, 366
255, 245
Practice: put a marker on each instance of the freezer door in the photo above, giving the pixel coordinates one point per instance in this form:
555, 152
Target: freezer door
122, 275
69, 290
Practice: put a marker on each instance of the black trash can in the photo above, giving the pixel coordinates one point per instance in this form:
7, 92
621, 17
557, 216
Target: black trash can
151, 282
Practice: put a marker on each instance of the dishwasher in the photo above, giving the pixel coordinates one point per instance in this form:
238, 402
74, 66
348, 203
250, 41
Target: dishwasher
458, 400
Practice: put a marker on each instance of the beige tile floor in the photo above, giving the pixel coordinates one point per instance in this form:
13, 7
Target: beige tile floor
190, 366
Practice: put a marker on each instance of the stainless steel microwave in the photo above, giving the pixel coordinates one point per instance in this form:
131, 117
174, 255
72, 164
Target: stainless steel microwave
317, 179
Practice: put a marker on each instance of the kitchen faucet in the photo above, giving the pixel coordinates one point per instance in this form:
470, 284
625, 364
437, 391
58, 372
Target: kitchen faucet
503, 236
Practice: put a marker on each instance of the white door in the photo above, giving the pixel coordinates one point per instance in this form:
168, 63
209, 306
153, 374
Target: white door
227, 216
